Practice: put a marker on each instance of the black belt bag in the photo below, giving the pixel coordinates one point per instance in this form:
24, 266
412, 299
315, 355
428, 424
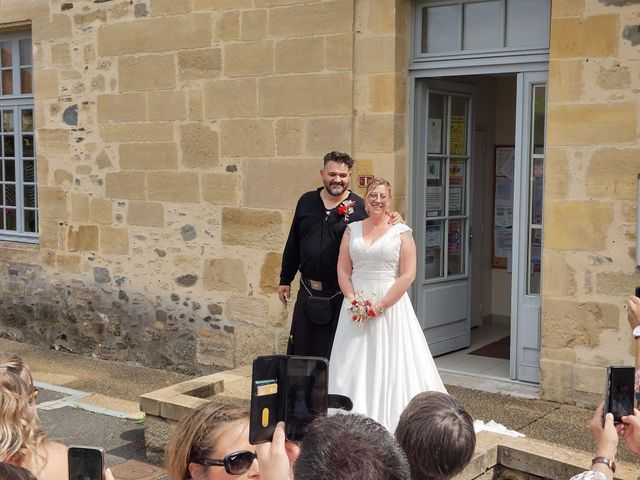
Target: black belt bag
318, 309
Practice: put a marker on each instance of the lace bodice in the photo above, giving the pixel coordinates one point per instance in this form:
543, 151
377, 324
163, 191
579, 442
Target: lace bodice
382, 257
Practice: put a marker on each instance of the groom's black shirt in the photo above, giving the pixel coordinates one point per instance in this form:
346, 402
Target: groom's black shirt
314, 239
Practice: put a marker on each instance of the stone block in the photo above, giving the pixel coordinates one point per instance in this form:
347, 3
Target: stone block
253, 25
222, 4
300, 55
614, 78
588, 378
215, 347
199, 146
615, 284
289, 136
339, 52
593, 36
60, 54
556, 382
386, 93
146, 72
226, 274
114, 240
247, 138
375, 133
253, 311
248, 59
167, 105
101, 211
136, 132
290, 95
56, 27
280, 3
252, 342
62, 177
126, 185
177, 187
150, 35
577, 225
378, 20
220, 188
557, 174
79, 207
608, 173
170, 7
82, 239
124, 107
328, 133
52, 202
148, 156
230, 98
45, 84
195, 105
375, 54
145, 214
314, 19
559, 277
201, 64
85, 19
270, 273
227, 27
253, 228
567, 8
54, 141
562, 354
591, 124
71, 263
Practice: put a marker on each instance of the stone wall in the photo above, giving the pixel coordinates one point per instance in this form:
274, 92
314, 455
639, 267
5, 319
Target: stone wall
593, 158
173, 140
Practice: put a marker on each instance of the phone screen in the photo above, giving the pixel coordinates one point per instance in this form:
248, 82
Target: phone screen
307, 396
620, 392
85, 463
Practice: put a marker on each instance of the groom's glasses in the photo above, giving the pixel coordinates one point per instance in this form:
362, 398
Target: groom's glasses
376, 196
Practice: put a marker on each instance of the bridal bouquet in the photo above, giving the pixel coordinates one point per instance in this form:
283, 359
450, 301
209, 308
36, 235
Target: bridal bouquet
362, 308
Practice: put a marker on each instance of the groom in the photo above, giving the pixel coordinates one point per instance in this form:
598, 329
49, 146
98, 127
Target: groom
319, 222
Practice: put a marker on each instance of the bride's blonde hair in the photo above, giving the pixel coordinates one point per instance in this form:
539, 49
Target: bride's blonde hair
21, 437
372, 185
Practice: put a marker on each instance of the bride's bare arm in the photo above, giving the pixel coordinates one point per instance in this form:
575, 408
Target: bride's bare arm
345, 266
407, 273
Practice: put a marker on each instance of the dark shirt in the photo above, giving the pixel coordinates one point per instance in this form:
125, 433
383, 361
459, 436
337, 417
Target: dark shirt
314, 239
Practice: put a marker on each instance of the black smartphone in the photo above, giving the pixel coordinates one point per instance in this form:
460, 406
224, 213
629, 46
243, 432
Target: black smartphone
638, 292
619, 392
85, 463
290, 389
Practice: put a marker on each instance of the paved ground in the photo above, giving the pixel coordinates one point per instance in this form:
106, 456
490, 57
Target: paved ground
78, 384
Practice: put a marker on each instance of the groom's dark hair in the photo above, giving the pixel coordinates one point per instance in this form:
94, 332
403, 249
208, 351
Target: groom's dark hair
339, 157
350, 447
437, 435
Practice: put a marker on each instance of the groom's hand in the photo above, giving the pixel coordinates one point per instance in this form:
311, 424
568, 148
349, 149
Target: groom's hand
284, 293
395, 218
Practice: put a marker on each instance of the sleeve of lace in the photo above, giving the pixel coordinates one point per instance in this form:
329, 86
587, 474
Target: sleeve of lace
589, 475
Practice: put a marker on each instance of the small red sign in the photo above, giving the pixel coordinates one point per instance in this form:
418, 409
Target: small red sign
363, 180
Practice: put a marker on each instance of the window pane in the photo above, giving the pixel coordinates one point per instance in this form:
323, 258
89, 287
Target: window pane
9, 171
25, 52
5, 54
455, 247
25, 80
441, 29
7, 82
437, 118
433, 253
29, 196
29, 172
7, 121
27, 120
27, 145
11, 219
537, 186
10, 194
482, 23
435, 187
535, 261
457, 187
528, 23
8, 146
539, 108
30, 221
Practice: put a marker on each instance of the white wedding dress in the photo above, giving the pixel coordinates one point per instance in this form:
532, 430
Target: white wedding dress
381, 364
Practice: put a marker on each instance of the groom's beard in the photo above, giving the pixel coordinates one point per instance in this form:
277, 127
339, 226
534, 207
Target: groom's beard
335, 188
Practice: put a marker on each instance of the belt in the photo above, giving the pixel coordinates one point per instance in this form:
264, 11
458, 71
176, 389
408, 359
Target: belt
320, 286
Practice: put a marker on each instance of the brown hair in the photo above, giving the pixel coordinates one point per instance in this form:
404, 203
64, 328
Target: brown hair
339, 157
196, 434
437, 435
376, 182
21, 437
13, 472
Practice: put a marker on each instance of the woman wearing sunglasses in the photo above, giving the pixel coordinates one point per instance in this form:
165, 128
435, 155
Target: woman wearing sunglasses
212, 443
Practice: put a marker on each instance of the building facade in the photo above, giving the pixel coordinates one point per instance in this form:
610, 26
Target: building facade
153, 152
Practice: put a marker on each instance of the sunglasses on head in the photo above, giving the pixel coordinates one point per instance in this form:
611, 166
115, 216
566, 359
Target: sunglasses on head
235, 463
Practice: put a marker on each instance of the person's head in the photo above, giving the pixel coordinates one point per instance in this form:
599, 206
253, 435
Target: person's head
437, 434
336, 172
13, 472
377, 196
349, 447
21, 437
212, 443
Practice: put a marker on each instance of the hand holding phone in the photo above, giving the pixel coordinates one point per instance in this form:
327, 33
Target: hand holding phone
619, 392
85, 463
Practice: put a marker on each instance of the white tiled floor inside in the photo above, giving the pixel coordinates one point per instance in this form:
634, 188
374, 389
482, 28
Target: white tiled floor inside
462, 362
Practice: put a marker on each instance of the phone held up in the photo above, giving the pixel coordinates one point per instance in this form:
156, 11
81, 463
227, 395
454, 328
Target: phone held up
619, 392
289, 388
638, 292
85, 463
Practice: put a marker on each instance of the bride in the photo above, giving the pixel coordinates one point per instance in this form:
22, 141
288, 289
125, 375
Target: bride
380, 358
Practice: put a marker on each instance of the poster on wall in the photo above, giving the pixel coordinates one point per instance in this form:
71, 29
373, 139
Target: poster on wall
433, 169
435, 201
434, 135
458, 128
503, 207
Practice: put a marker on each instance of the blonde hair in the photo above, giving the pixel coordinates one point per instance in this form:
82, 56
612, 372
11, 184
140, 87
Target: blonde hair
372, 185
195, 436
21, 437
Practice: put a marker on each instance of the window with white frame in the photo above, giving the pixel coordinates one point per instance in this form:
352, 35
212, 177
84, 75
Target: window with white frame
18, 184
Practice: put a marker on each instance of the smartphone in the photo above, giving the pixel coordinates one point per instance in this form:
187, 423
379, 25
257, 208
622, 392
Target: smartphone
619, 392
290, 389
85, 463
638, 292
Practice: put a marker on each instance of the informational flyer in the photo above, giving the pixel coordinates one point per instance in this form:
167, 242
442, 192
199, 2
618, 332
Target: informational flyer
434, 135
504, 192
433, 169
502, 242
505, 157
433, 236
503, 217
458, 127
434, 199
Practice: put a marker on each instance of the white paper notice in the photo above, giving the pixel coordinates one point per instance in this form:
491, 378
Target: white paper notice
434, 138
434, 199
504, 191
504, 217
502, 243
433, 236
505, 161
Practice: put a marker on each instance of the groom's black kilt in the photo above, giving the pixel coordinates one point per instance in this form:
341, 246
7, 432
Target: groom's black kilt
308, 338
